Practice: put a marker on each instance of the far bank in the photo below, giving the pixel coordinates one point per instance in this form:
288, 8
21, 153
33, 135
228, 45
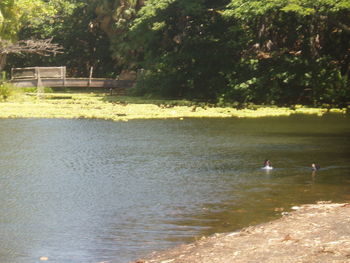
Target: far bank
119, 108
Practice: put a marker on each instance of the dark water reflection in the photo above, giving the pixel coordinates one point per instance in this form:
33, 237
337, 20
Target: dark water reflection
92, 191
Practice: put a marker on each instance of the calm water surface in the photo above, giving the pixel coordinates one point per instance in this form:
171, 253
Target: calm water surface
91, 191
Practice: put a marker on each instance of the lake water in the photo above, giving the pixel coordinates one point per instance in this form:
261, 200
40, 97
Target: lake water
93, 191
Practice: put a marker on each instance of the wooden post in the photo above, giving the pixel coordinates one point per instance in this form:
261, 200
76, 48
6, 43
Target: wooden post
39, 84
64, 76
90, 76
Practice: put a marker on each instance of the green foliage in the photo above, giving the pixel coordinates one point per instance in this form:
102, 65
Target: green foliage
271, 51
14, 14
115, 18
8, 19
186, 49
241, 51
296, 52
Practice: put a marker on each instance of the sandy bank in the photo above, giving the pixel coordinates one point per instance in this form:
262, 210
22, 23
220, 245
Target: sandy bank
311, 233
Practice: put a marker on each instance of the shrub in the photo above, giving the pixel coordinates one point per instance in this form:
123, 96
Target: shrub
5, 91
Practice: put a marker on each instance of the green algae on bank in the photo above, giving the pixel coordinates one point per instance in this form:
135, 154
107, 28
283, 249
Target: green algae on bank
92, 105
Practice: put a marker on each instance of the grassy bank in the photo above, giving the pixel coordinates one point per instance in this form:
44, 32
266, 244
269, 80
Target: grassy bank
121, 108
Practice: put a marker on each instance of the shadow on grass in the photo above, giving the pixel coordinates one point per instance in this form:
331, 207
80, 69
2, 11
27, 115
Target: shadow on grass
127, 99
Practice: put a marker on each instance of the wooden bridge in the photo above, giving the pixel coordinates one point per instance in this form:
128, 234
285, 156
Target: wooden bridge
55, 77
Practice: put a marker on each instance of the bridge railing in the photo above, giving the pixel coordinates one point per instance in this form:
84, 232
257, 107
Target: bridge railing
56, 77
38, 72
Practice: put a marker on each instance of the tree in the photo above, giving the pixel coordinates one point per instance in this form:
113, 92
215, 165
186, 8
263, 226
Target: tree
15, 14
296, 51
115, 18
77, 28
9, 19
41, 47
266, 51
185, 46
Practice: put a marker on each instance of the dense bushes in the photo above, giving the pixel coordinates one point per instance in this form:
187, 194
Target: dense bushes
276, 52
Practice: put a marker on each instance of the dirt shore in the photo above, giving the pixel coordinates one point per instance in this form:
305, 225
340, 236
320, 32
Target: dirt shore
310, 233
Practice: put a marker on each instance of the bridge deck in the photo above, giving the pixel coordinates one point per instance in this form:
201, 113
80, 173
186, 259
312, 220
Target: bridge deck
74, 82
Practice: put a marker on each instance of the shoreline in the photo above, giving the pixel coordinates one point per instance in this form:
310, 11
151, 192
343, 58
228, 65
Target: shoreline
310, 233
96, 106
267, 242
